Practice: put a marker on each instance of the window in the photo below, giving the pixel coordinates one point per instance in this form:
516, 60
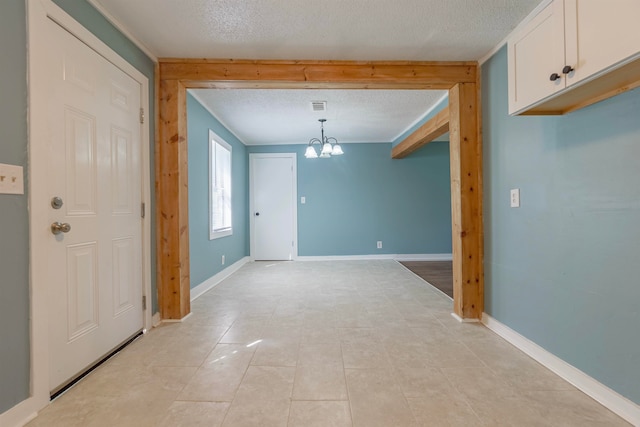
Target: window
219, 187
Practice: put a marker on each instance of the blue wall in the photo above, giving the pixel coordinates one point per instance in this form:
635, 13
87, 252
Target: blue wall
206, 254
14, 243
442, 104
563, 269
404, 203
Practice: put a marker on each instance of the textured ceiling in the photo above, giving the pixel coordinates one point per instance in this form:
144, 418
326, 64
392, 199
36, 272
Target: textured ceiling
439, 30
265, 116
416, 30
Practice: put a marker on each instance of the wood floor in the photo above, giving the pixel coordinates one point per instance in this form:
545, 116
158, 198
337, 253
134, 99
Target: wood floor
438, 273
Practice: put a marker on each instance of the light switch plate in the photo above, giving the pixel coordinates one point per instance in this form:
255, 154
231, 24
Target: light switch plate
303, 200
11, 179
515, 198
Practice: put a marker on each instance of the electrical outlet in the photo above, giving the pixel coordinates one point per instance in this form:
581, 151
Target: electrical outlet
379, 244
222, 259
11, 179
515, 198
303, 200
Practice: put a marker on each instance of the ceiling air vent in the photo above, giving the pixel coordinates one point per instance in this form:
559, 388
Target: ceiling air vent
318, 106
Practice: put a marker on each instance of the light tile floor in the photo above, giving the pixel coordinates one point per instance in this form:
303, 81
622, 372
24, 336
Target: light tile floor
361, 343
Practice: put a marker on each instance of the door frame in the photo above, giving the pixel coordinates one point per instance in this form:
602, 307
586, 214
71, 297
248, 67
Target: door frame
38, 12
461, 79
294, 158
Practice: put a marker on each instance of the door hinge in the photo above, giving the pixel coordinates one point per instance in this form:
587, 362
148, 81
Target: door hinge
142, 116
142, 210
144, 302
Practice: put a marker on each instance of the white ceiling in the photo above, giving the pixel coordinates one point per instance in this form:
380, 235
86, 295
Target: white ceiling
415, 30
266, 116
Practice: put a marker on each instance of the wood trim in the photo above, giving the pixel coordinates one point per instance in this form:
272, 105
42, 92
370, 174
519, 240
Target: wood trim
479, 201
318, 74
177, 75
466, 201
170, 60
157, 181
437, 126
261, 84
173, 204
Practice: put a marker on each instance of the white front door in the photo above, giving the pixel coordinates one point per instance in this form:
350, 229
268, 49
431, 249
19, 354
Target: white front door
94, 188
273, 206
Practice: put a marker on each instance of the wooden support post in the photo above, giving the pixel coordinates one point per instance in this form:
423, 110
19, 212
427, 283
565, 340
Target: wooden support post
172, 202
466, 201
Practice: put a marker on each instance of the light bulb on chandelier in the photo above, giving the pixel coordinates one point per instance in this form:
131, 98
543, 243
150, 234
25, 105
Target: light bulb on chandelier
329, 145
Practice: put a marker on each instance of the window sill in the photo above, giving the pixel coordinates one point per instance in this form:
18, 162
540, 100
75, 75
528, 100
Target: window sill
218, 234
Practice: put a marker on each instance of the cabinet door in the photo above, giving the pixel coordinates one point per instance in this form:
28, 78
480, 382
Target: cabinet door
536, 52
600, 34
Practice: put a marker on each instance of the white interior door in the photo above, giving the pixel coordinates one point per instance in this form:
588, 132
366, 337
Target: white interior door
95, 267
273, 206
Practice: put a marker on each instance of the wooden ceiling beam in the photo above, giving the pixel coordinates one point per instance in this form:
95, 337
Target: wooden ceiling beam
437, 126
317, 74
253, 84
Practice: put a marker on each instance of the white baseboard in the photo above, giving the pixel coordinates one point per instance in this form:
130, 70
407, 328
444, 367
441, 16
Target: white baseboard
396, 257
217, 278
615, 402
424, 257
20, 414
345, 257
461, 320
204, 287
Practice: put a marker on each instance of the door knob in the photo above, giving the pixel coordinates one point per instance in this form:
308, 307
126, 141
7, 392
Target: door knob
567, 69
257, 213
555, 76
60, 227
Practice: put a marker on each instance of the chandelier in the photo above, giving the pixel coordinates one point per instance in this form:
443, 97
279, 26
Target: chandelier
330, 146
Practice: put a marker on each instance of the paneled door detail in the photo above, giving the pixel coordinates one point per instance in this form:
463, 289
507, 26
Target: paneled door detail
95, 246
273, 205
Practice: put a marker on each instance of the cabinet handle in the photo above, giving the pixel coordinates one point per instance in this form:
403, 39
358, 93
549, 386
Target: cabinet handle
555, 76
567, 69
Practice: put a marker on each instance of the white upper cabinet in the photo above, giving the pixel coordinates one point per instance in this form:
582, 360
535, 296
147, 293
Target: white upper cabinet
574, 53
599, 34
534, 54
